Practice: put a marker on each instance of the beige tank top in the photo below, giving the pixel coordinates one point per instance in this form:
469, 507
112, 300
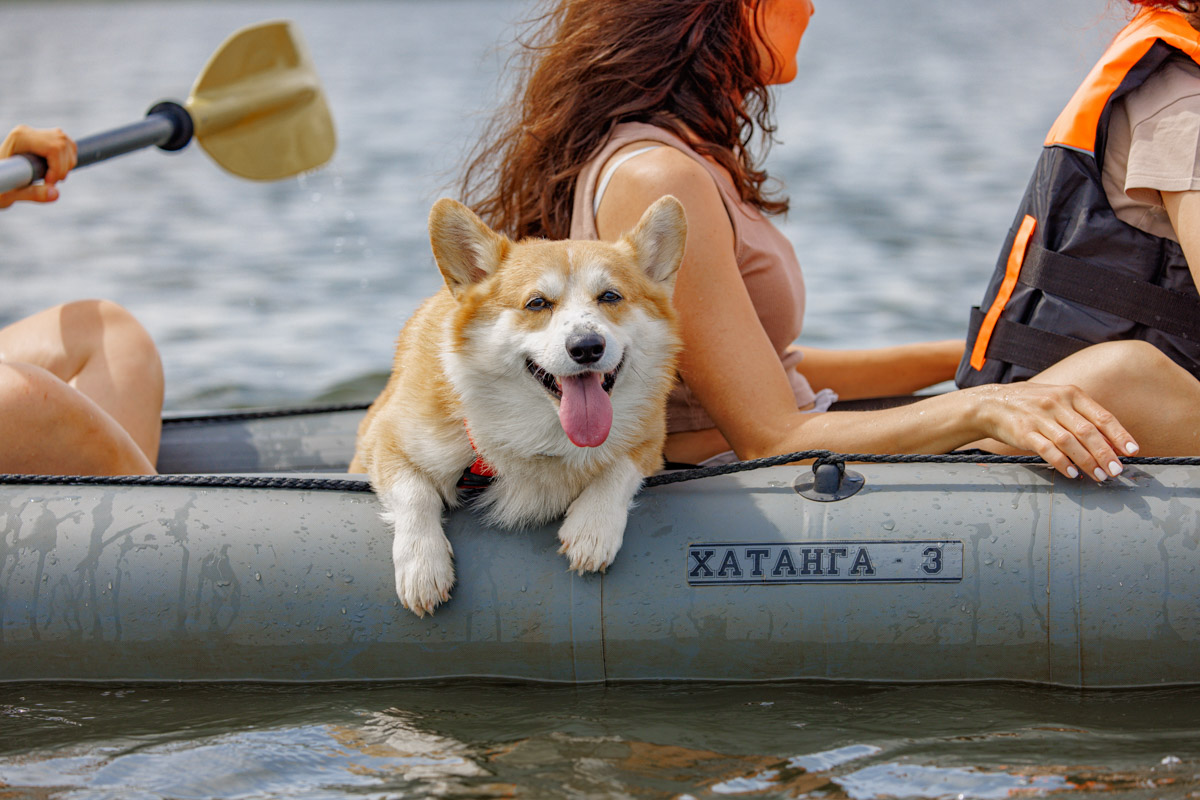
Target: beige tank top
764, 255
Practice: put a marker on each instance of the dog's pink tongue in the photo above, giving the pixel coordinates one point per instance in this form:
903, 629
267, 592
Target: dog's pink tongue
585, 410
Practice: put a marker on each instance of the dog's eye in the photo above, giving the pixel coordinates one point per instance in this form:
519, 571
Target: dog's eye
609, 296
538, 303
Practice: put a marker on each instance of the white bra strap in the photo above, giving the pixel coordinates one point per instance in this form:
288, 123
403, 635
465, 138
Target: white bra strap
608, 173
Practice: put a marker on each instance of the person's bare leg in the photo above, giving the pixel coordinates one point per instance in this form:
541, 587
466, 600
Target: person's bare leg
49, 428
1156, 400
101, 350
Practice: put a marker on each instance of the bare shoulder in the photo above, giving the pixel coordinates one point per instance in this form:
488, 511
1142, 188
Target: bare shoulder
639, 181
663, 167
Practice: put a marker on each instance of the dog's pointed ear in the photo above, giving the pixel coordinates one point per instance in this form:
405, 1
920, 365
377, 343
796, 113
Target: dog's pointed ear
659, 238
466, 249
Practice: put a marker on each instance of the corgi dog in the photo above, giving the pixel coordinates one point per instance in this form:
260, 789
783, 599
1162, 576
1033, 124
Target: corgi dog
548, 361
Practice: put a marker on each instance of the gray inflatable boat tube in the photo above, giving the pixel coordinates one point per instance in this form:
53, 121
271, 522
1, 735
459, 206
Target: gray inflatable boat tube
931, 572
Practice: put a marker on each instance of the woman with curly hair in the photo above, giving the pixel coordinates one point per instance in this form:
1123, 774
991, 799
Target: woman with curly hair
619, 102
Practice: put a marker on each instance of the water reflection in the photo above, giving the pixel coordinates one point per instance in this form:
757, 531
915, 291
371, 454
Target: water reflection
498, 740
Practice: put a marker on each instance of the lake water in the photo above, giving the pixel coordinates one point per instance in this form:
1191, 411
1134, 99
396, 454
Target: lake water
904, 148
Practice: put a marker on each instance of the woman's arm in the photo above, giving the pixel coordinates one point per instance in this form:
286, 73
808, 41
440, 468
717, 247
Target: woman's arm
882, 371
1183, 209
730, 365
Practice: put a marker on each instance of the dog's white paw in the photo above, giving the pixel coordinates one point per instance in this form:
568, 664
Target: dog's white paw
424, 572
590, 547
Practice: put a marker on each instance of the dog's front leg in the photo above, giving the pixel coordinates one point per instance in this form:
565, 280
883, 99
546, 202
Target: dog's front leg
594, 528
421, 553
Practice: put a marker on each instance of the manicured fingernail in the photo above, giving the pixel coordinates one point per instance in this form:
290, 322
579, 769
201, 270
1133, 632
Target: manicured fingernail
1099, 473
1114, 468
1072, 472
1131, 447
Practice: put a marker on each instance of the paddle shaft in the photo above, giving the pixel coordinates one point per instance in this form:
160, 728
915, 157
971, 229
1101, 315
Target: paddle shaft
167, 125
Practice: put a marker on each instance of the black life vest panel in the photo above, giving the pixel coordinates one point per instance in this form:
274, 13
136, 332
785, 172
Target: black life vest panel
1070, 273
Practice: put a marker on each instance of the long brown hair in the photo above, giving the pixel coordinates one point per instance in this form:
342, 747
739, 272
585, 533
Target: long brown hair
1190, 9
1182, 6
583, 66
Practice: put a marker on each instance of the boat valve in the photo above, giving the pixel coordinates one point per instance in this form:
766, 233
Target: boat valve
829, 481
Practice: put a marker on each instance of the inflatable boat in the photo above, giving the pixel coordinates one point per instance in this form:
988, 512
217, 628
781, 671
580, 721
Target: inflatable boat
254, 557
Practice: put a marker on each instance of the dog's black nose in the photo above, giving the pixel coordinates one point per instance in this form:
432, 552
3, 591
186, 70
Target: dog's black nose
586, 348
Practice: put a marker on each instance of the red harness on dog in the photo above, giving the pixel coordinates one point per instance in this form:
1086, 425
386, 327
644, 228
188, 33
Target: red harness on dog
479, 475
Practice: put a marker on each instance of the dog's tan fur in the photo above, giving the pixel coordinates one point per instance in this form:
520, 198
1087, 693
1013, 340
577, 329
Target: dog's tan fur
460, 375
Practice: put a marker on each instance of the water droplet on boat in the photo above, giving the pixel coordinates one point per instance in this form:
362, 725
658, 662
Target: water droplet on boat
258, 576
888, 525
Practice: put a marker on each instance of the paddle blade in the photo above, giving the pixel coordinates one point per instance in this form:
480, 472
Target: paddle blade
258, 106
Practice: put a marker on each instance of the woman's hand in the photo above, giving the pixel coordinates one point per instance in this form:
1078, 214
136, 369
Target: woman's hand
1062, 424
51, 144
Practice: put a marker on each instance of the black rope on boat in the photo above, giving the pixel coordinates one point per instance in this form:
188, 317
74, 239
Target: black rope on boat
829, 457
201, 481
661, 479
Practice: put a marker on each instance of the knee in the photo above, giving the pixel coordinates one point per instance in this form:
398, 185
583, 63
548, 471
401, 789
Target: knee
134, 337
96, 319
1118, 363
1108, 367
107, 325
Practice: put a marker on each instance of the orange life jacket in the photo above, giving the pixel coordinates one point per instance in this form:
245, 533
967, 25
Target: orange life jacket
1071, 274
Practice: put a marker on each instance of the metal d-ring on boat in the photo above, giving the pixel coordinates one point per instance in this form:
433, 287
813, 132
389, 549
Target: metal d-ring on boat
273, 565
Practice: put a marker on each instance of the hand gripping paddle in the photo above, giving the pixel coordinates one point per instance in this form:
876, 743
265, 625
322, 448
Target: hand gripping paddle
257, 109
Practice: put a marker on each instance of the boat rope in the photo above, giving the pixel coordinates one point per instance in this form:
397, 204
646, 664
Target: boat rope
197, 481
818, 457
829, 457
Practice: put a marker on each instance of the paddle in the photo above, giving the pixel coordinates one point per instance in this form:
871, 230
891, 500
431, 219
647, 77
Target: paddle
257, 109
